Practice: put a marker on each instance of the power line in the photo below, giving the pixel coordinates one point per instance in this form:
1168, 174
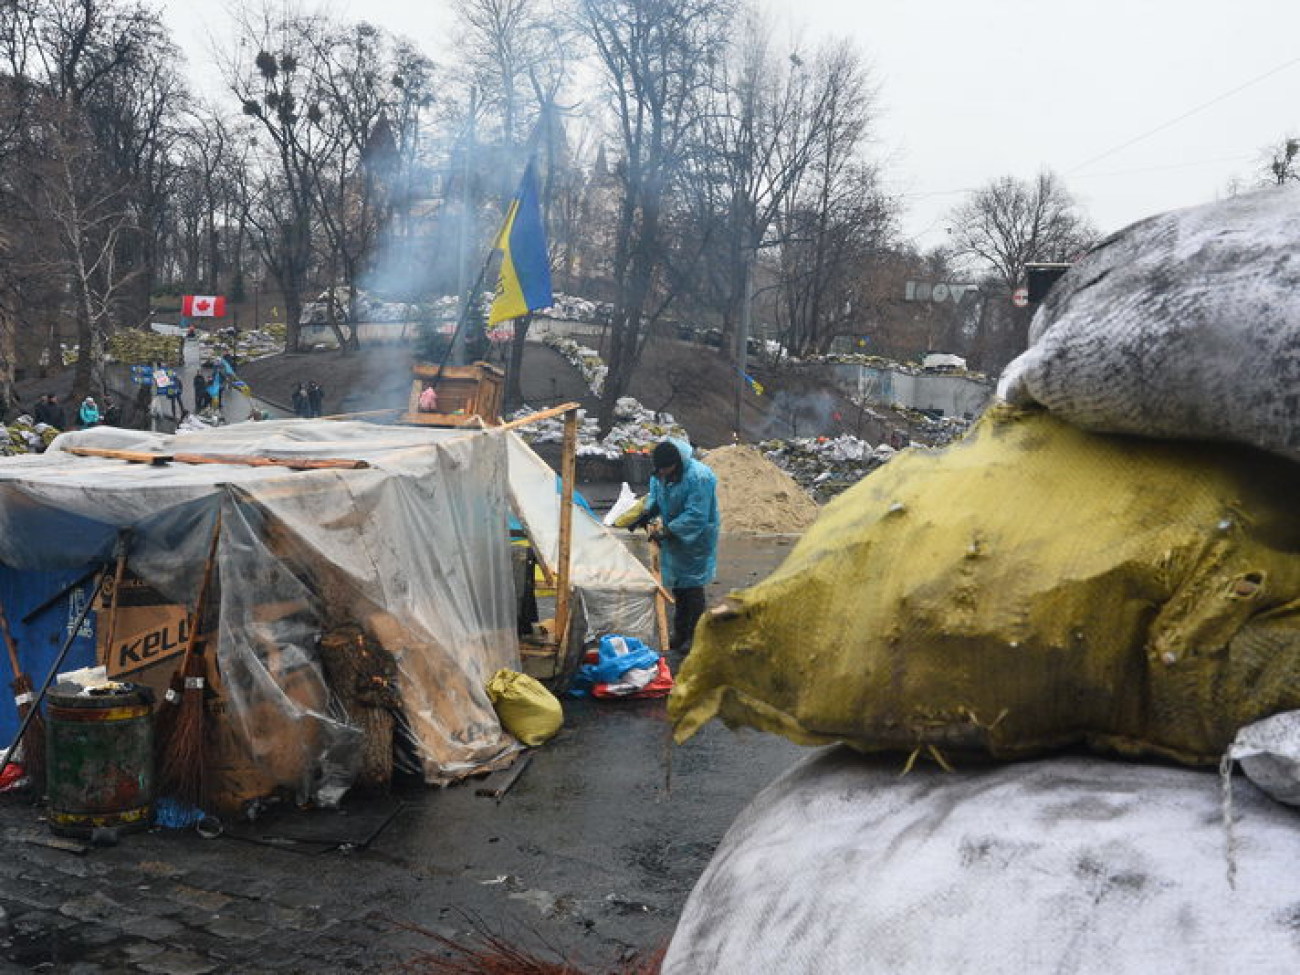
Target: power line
1188, 114
1238, 158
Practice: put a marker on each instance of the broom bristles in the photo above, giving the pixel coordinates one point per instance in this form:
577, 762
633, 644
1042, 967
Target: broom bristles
33, 741
164, 718
180, 771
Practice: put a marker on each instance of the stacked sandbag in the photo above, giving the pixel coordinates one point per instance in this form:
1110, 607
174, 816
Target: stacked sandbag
1031, 587
1185, 325
1068, 865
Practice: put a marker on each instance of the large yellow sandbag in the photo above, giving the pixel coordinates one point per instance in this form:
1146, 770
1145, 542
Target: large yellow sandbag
1030, 587
527, 709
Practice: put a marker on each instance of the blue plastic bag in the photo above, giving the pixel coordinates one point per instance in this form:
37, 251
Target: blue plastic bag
616, 655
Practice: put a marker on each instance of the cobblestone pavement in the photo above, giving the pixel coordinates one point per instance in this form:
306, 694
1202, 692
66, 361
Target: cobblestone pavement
591, 853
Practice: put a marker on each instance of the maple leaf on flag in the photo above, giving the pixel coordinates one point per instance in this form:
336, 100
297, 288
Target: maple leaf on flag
202, 305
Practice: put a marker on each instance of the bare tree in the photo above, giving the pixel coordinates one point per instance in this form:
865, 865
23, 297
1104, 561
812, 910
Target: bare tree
1003, 227
834, 217
656, 58
1284, 166
1011, 222
275, 87
762, 134
98, 98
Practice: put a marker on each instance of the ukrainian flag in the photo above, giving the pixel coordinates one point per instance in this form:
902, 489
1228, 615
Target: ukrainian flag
525, 283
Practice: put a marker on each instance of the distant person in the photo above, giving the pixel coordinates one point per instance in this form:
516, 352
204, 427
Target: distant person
112, 412
428, 399
315, 398
49, 411
88, 414
301, 406
684, 499
202, 398
143, 401
174, 392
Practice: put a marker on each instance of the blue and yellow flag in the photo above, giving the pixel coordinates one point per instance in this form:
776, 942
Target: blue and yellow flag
525, 283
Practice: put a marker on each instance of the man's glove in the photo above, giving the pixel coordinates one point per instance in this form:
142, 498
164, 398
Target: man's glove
641, 522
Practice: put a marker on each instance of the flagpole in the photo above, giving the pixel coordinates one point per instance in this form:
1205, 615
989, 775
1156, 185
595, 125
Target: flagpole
463, 318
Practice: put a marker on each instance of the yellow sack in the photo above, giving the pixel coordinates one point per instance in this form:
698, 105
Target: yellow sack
1031, 587
626, 518
527, 709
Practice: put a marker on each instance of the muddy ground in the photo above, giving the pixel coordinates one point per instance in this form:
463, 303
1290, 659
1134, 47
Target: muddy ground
591, 855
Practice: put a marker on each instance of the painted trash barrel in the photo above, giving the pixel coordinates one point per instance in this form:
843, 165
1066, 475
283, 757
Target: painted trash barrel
100, 760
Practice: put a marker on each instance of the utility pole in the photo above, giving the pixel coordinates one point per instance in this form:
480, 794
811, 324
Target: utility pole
462, 238
742, 335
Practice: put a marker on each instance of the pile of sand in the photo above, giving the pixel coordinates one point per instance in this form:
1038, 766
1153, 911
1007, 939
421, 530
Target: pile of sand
756, 496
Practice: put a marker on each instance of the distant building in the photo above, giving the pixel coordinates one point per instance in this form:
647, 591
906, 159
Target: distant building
947, 393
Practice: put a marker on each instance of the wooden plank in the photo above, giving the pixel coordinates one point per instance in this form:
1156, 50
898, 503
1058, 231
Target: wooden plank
391, 411
498, 784
293, 463
243, 460
475, 371
456, 420
568, 475
532, 418
131, 456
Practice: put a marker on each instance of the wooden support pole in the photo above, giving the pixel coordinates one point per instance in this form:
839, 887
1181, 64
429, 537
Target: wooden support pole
532, 418
568, 474
661, 599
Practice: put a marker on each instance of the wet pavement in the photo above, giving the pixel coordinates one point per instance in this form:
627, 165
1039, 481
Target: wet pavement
590, 855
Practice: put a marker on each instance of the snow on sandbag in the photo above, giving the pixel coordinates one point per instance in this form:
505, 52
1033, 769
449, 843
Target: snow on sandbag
1185, 325
1269, 753
1032, 587
1063, 865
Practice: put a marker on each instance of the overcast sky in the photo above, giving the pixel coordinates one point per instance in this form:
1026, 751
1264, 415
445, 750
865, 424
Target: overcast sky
1140, 106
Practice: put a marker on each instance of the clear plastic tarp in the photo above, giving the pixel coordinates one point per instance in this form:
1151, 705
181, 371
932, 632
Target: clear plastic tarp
413, 550
617, 592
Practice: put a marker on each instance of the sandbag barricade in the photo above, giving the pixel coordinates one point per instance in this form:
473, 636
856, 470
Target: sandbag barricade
1185, 325
1031, 587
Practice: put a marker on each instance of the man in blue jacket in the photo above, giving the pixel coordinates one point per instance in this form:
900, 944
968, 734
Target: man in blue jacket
684, 497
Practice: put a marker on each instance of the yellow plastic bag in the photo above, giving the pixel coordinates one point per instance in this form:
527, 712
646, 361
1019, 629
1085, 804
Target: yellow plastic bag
626, 518
1031, 587
527, 709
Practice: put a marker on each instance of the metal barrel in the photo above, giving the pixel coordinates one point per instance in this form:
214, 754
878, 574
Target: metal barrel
100, 761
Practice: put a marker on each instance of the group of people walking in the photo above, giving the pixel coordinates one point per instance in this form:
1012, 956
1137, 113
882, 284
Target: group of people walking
89, 413
308, 398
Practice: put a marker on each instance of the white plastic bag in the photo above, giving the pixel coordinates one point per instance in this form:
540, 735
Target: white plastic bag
626, 499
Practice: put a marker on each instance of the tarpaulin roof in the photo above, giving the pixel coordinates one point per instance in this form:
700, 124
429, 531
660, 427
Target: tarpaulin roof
413, 548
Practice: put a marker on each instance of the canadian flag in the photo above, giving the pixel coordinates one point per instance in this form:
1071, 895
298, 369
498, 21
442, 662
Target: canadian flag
204, 306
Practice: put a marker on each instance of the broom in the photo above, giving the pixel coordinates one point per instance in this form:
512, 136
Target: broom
33, 741
180, 738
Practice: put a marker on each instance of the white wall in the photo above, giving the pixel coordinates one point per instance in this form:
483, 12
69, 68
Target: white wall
951, 395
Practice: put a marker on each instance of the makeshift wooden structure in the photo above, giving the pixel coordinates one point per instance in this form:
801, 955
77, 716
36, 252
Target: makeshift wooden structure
467, 395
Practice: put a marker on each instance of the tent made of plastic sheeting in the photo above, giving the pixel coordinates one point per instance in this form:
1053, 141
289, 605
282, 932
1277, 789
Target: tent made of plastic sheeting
616, 592
412, 548
1077, 865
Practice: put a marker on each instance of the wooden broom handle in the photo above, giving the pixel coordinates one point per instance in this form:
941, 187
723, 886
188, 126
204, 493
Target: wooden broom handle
112, 607
201, 603
9, 643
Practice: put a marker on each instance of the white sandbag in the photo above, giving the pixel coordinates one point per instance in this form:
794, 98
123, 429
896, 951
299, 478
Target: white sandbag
1075, 865
1185, 326
1269, 754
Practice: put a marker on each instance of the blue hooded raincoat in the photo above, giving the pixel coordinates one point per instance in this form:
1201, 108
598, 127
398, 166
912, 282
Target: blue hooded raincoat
688, 509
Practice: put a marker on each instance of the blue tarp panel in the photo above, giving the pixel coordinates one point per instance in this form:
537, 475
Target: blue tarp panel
39, 641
